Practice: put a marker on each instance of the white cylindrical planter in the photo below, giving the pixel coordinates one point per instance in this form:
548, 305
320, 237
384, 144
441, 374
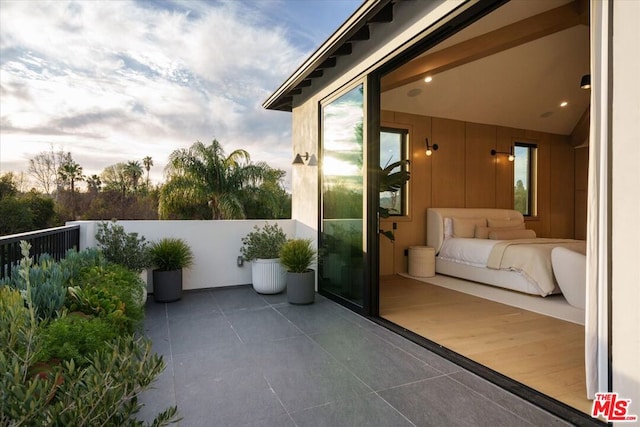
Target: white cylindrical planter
422, 261
268, 276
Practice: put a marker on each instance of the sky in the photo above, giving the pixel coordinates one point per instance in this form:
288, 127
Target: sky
116, 81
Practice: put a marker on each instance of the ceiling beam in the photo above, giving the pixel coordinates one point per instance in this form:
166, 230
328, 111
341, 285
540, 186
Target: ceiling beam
504, 38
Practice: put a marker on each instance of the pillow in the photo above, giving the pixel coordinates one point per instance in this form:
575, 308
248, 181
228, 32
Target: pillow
483, 232
502, 223
448, 227
511, 234
466, 227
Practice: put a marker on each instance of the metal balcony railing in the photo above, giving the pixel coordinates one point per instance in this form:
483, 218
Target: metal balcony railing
53, 241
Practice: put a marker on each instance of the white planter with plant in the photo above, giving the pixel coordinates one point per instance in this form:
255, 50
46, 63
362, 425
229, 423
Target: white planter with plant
169, 256
261, 247
297, 256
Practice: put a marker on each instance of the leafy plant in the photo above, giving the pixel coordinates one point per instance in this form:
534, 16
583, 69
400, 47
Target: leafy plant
98, 302
263, 243
103, 392
297, 255
76, 336
121, 282
170, 254
48, 284
122, 248
392, 182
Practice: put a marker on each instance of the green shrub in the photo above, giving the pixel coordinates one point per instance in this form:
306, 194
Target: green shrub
48, 281
263, 243
75, 336
105, 392
297, 255
170, 254
74, 262
121, 283
98, 302
122, 248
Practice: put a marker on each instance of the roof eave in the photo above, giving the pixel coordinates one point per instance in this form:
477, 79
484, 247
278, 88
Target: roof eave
357, 20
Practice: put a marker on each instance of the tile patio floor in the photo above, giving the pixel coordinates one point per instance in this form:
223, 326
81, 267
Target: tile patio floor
237, 358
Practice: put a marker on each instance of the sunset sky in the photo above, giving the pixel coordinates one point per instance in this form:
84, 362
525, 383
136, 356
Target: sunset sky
115, 81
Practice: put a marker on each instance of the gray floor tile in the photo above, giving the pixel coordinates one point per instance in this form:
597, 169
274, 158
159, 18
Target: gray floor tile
261, 325
321, 316
243, 398
378, 363
365, 411
238, 298
275, 299
159, 397
303, 375
211, 363
199, 332
192, 302
442, 401
512, 403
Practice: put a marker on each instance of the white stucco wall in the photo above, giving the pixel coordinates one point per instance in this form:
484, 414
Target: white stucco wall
215, 245
625, 200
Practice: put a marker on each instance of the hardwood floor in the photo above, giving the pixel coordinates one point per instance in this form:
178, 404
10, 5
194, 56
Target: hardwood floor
545, 353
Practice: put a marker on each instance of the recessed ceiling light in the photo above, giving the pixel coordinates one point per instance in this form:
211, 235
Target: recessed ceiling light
564, 103
428, 79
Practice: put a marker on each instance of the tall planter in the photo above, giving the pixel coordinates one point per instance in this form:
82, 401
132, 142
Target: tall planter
301, 287
167, 285
268, 276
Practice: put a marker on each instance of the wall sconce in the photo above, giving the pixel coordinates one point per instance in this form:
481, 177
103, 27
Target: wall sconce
510, 154
585, 81
310, 159
430, 148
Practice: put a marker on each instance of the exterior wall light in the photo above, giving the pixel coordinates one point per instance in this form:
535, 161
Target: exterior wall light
310, 159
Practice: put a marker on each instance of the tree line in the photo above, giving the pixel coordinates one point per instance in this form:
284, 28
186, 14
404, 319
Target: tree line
201, 182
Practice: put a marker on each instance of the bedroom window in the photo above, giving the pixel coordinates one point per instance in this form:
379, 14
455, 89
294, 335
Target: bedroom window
393, 148
524, 177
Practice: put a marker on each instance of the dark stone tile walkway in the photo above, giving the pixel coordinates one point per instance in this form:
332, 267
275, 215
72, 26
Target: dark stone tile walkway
237, 358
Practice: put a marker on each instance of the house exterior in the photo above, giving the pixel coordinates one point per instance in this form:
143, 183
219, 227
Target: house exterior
498, 62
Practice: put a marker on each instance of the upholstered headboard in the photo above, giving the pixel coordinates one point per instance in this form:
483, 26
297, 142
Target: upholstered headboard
436, 216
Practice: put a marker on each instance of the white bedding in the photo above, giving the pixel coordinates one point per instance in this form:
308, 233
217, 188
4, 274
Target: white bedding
468, 251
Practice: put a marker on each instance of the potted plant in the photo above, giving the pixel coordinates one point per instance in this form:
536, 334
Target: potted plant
262, 248
169, 256
297, 256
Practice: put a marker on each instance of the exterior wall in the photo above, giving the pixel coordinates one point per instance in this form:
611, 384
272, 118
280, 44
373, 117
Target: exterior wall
411, 19
215, 245
462, 173
625, 205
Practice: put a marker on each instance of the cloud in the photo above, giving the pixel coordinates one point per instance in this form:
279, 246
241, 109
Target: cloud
117, 81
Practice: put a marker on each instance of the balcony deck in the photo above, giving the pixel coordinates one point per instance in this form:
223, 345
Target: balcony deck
237, 358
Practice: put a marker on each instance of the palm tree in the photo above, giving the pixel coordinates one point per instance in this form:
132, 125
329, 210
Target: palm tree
133, 171
70, 172
147, 162
203, 182
94, 183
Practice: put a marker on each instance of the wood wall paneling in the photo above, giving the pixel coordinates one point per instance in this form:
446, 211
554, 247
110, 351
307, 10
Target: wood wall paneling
480, 171
462, 173
561, 199
448, 166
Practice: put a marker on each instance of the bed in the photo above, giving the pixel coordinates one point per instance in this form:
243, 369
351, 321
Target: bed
492, 246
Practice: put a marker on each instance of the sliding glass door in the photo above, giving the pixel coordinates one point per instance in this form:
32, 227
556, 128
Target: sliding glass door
343, 216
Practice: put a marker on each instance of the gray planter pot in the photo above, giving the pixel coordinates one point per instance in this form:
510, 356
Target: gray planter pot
167, 285
301, 287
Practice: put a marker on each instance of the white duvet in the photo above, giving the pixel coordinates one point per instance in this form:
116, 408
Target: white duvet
469, 251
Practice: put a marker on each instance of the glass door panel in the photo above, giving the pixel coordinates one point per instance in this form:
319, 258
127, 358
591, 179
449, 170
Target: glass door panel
342, 226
